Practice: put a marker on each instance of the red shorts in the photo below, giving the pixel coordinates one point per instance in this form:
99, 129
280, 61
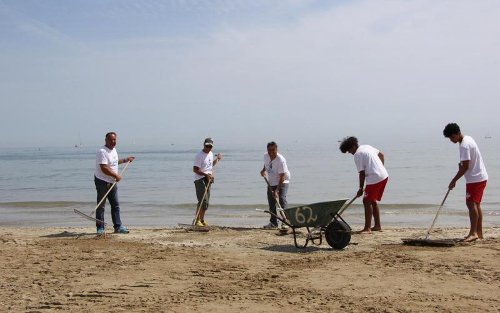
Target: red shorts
374, 192
474, 191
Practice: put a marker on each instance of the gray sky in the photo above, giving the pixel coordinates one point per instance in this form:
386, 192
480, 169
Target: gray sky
161, 72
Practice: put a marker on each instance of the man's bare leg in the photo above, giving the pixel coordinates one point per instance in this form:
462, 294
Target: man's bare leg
368, 217
201, 215
473, 217
479, 222
376, 217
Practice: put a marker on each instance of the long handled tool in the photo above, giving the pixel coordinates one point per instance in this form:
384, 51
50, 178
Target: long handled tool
437, 214
198, 209
90, 216
427, 241
347, 205
277, 200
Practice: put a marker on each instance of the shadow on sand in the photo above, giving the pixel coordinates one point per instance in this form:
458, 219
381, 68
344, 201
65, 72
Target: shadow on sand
293, 249
68, 234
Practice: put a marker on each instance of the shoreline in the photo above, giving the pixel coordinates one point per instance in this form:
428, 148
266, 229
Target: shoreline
180, 226
71, 220
242, 217
69, 269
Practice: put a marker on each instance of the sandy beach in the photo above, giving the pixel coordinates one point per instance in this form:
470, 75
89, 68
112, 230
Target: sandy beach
251, 270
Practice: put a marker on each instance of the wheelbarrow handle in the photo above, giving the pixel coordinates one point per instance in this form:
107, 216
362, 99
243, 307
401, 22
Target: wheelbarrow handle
281, 219
347, 205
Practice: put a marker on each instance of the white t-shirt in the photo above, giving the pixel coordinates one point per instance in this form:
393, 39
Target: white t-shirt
204, 161
366, 159
109, 157
469, 151
276, 167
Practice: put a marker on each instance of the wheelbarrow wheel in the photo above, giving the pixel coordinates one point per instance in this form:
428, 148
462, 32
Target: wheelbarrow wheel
338, 234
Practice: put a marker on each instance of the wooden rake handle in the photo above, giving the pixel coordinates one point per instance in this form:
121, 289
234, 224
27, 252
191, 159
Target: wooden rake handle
109, 190
204, 195
277, 200
437, 214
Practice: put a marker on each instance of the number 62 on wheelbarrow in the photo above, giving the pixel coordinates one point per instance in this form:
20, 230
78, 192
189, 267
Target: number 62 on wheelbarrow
322, 218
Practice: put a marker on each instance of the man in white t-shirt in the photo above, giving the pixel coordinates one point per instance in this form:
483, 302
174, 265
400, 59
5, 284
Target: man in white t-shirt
472, 167
370, 164
279, 178
106, 173
203, 178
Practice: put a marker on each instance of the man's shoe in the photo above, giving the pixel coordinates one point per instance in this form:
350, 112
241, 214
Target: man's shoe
199, 223
100, 230
204, 223
121, 230
270, 226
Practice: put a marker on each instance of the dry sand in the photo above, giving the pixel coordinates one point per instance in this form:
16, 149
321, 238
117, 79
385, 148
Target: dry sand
251, 270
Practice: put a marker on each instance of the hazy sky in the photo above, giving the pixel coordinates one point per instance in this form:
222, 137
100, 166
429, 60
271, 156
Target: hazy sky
161, 72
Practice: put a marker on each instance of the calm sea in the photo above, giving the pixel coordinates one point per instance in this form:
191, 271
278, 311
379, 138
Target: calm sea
42, 186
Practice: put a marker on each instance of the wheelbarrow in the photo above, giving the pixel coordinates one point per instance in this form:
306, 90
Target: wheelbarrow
320, 219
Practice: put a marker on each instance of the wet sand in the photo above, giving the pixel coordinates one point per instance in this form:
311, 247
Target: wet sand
250, 270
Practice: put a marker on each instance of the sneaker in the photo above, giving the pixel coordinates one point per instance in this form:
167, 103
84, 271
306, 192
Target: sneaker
204, 223
199, 223
121, 230
270, 226
284, 226
100, 230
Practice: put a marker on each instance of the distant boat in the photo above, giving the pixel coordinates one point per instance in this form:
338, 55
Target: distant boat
80, 145
487, 136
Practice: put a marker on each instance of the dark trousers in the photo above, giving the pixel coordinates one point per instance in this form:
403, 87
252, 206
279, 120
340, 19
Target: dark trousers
200, 186
272, 202
102, 187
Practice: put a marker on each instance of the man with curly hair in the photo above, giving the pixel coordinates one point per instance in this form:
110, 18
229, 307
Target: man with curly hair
370, 164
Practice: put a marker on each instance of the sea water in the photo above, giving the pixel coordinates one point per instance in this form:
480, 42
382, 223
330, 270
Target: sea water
42, 186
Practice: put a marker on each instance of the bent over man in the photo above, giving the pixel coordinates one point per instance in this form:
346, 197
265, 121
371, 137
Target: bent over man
370, 164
